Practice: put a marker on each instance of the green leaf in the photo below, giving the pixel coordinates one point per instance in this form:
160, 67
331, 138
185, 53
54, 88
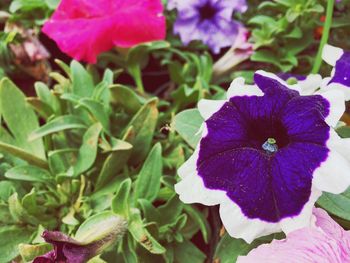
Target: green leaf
88, 150
148, 181
98, 112
229, 248
343, 131
10, 238
61, 160
170, 210
142, 236
101, 227
120, 203
18, 152
29, 252
188, 252
188, 123
338, 205
29, 173
44, 110
20, 118
114, 163
82, 81
126, 97
200, 221
58, 124
7, 188
19, 213
46, 96
141, 129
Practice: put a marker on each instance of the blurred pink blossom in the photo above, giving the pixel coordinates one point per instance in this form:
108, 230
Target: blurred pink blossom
325, 242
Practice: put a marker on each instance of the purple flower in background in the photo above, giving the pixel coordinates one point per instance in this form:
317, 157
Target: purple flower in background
340, 78
207, 20
324, 242
265, 155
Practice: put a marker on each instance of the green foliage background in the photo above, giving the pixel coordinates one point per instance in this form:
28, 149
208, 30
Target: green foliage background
102, 138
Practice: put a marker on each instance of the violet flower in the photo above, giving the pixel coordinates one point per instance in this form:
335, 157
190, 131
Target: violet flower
265, 156
207, 20
324, 242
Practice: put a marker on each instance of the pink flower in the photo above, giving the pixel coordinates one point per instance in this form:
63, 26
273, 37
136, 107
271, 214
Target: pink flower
240, 51
84, 28
325, 242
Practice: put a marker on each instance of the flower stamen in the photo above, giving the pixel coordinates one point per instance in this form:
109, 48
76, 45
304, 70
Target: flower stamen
270, 145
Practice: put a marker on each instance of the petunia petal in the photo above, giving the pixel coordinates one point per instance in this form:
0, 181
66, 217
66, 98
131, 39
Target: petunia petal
337, 106
239, 226
331, 54
208, 107
333, 174
304, 218
239, 88
83, 29
325, 242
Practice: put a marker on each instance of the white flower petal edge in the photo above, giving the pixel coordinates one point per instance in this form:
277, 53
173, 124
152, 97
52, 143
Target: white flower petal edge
208, 107
333, 175
239, 88
331, 54
304, 219
341, 145
337, 106
239, 226
309, 85
337, 86
191, 188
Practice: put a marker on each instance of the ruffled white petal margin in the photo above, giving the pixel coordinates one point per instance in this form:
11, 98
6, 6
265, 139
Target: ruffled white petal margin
332, 175
337, 105
331, 54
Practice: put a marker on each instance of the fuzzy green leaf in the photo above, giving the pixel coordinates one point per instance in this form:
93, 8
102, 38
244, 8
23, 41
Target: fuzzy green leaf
29, 173
120, 203
148, 180
20, 118
188, 123
10, 238
88, 150
82, 81
139, 131
58, 124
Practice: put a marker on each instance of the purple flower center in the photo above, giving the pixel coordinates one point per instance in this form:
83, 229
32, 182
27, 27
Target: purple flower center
262, 150
207, 11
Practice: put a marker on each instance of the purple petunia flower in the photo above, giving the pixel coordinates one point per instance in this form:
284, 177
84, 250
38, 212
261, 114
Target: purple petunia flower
207, 20
340, 78
265, 155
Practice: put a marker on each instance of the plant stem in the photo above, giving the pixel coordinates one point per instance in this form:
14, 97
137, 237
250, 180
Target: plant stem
325, 36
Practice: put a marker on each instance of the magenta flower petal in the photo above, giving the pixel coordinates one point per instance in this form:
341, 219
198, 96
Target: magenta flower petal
83, 29
326, 242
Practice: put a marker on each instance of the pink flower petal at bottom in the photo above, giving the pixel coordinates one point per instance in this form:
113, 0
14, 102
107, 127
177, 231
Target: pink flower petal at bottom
83, 29
327, 242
